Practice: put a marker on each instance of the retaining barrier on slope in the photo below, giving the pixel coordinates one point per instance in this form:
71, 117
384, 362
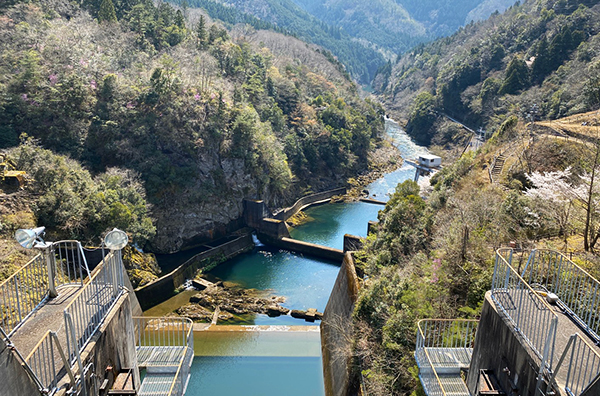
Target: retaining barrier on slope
304, 202
335, 335
163, 288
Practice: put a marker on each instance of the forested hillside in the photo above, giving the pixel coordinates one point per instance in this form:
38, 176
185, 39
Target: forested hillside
362, 35
359, 60
397, 25
533, 184
173, 123
539, 60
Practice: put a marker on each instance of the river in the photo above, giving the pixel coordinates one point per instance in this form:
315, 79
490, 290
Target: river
285, 356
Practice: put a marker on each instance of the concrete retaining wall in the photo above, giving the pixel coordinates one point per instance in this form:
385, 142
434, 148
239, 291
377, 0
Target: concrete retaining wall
352, 243
307, 248
307, 201
164, 287
15, 380
498, 349
335, 335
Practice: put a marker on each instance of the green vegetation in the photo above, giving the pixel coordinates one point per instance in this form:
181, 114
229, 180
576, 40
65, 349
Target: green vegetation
284, 16
395, 26
434, 257
74, 205
195, 116
534, 60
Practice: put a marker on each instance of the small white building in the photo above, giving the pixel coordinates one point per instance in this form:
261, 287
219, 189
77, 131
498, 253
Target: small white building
430, 161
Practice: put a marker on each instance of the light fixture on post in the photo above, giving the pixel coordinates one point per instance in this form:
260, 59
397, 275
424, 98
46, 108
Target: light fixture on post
116, 239
29, 238
32, 238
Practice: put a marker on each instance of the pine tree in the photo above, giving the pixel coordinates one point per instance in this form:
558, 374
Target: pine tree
542, 66
517, 77
179, 20
201, 32
107, 12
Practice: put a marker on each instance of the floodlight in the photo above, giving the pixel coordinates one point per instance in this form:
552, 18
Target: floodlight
116, 239
28, 237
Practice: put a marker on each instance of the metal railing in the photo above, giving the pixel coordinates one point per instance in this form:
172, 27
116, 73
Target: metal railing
88, 309
165, 345
70, 263
183, 373
60, 264
47, 366
578, 292
162, 334
530, 315
22, 293
583, 365
444, 347
447, 333
429, 379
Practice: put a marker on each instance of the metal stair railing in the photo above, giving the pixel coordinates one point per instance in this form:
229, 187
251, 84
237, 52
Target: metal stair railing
444, 347
583, 365
43, 362
164, 345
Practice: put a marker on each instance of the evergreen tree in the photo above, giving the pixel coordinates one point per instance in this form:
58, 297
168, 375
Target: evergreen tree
107, 12
517, 77
201, 32
179, 20
542, 66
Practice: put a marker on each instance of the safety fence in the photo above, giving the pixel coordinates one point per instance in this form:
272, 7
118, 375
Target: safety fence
578, 292
86, 312
165, 348
443, 348
70, 263
526, 310
582, 365
47, 361
22, 293
31, 285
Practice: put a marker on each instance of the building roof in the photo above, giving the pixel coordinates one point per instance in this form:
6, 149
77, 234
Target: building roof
429, 156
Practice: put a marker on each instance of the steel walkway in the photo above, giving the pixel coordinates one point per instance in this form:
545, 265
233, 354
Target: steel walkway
444, 349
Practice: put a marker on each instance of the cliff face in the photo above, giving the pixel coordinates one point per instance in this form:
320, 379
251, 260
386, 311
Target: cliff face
194, 120
186, 220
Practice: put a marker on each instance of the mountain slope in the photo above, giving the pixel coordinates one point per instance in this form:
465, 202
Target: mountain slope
397, 25
202, 120
360, 60
538, 60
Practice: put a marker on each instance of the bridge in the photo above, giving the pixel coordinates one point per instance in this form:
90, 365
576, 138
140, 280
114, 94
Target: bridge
538, 334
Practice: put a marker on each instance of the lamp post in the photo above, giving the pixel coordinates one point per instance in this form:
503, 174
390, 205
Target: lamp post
32, 238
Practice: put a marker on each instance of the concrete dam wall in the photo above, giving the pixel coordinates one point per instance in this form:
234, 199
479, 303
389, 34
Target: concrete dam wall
336, 334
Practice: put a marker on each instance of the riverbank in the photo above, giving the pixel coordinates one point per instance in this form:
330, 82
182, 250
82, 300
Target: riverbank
383, 160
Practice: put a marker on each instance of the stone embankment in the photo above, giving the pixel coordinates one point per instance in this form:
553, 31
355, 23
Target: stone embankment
165, 286
224, 301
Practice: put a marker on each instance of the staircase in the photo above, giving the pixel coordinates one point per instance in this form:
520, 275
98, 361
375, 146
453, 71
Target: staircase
496, 168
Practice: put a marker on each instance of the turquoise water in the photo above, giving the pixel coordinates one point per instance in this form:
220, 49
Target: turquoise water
265, 363
256, 376
332, 221
304, 282
257, 363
